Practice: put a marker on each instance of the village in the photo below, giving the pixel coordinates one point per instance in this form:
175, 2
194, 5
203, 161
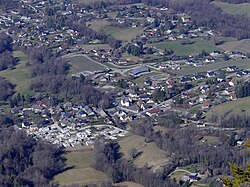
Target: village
144, 78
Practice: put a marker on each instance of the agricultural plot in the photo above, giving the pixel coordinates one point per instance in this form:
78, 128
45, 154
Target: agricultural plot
243, 8
19, 75
195, 48
123, 34
81, 63
81, 171
155, 161
97, 25
238, 45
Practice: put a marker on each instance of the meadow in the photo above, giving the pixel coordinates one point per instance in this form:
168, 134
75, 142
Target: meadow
197, 47
81, 171
20, 75
243, 8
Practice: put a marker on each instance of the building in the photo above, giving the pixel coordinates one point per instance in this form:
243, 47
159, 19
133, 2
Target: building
138, 71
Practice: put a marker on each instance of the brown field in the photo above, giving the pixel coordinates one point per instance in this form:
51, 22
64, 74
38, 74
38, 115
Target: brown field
81, 171
154, 161
238, 45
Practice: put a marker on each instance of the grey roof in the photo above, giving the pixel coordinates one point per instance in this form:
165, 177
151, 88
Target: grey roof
139, 70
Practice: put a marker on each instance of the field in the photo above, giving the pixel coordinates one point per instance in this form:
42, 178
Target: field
123, 34
82, 172
214, 66
195, 48
20, 75
237, 106
81, 63
243, 8
87, 2
154, 161
238, 45
128, 184
97, 25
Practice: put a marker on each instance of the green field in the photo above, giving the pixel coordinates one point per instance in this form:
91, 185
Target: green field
195, 48
82, 172
81, 63
123, 34
236, 106
20, 75
243, 8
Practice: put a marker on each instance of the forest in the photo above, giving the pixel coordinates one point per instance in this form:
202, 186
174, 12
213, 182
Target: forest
27, 162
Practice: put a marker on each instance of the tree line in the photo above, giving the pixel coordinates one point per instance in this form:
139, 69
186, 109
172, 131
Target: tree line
6, 57
26, 162
108, 159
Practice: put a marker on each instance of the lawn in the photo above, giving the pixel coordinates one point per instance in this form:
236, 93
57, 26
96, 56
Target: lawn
237, 106
243, 8
123, 34
81, 63
195, 48
82, 172
20, 75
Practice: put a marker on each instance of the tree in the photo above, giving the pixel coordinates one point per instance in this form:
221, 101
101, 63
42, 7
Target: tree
241, 176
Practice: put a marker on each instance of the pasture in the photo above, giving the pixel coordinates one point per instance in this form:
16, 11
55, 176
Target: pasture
20, 75
195, 48
153, 161
123, 34
237, 45
81, 171
243, 8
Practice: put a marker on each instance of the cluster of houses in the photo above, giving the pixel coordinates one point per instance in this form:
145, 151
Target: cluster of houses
67, 125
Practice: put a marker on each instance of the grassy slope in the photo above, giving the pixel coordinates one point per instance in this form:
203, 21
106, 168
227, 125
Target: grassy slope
195, 48
243, 8
159, 157
82, 173
20, 75
236, 106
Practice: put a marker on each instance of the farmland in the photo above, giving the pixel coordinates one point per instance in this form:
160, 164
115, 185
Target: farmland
154, 161
20, 74
243, 8
80, 171
237, 45
123, 34
81, 63
196, 47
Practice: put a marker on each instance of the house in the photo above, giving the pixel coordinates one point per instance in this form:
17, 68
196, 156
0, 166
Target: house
88, 110
125, 101
205, 105
36, 108
153, 112
25, 124
16, 110
82, 114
